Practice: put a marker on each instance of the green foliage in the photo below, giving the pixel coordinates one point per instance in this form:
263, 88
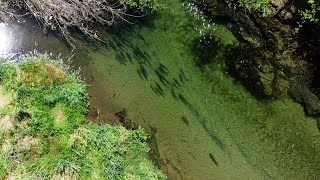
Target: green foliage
257, 5
310, 14
144, 5
51, 138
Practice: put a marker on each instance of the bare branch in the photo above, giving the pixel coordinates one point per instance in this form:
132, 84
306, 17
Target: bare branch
65, 14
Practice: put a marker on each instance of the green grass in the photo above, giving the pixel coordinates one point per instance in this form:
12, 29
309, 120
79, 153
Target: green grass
50, 137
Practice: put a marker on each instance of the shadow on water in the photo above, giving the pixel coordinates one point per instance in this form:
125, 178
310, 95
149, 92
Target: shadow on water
244, 63
205, 49
116, 39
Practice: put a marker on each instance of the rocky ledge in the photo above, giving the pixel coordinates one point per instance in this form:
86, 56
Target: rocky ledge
276, 57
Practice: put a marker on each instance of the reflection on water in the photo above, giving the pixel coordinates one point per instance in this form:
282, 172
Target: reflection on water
5, 44
19, 38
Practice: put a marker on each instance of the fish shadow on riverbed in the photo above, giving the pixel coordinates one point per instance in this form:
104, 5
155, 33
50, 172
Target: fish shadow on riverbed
157, 89
185, 120
121, 58
141, 56
142, 72
182, 76
171, 83
213, 159
121, 45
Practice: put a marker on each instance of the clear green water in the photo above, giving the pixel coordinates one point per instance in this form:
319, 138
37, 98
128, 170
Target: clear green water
208, 127
203, 125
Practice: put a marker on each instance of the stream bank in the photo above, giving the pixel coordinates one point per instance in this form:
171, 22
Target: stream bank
45, 135
202, 123
283, 51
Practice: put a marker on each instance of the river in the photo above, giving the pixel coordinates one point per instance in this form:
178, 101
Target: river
202, 123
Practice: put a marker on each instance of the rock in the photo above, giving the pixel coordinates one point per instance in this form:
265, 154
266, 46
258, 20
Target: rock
275, 58
305, 97
278, 3
124, 120
256, 70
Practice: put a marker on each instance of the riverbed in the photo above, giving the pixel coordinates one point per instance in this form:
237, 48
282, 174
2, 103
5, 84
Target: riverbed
202, 123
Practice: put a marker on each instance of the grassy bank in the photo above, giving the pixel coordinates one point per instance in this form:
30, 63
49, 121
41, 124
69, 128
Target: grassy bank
45, 135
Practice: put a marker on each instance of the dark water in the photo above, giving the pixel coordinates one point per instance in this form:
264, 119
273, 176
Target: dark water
202, 124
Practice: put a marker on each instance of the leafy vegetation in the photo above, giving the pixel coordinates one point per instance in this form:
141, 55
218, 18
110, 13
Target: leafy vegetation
311, 13
149, 5
44, 133
308, 14
256, 5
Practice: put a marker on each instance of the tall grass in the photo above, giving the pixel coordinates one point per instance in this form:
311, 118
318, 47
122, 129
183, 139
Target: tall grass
51, 138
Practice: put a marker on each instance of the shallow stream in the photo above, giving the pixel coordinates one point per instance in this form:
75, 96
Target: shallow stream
202, 123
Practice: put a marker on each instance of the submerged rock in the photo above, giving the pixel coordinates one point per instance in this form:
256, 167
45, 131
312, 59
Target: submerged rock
256, 70
271, 58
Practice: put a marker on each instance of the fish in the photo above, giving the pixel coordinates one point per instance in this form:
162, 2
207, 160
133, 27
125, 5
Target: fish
183, 75
120, 46
144, 72
142, 38
138, 52
213, 159
163, 68
159, 87
162, 79
163, 71
139, 73
184, 100
158, 90
174, 85
174, 94
177, 82
129, 57
120, 59
147, 56
113, 46
138, 58
154, 90
185, 120
123, 57
181, 78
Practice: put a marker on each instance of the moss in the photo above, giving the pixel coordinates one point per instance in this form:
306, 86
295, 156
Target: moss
52, 138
